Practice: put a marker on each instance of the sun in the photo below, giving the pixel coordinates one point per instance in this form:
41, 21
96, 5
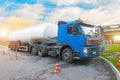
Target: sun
117, 38
4, 33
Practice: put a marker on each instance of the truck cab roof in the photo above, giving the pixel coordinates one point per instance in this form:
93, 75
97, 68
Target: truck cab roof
80, 22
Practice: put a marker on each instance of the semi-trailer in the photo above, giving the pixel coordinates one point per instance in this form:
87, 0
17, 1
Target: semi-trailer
67, 39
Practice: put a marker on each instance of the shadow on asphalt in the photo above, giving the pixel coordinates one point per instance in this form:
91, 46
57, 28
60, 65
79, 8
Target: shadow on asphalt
75, 63
52, 60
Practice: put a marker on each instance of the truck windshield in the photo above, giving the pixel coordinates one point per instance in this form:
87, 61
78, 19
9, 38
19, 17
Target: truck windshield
88, 29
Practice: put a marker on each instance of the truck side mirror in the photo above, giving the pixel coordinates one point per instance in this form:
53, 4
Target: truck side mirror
99, 30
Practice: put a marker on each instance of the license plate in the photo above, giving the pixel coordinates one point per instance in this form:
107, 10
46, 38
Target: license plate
94, 53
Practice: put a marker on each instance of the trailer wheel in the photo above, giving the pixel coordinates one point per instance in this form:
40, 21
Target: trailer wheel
67, 55
34, 51
11, 46
41, 52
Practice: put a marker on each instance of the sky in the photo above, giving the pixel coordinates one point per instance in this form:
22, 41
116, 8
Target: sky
17, 14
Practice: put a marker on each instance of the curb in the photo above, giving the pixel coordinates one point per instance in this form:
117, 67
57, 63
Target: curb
116, 72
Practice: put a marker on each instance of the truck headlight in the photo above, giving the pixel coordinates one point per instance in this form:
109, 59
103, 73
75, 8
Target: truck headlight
85, 51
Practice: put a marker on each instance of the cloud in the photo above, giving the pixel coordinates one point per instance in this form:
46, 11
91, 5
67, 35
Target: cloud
74, 2
65, 2
15, 23
67, 13
96, 15
25, 16
104, 12
29, 11
1, 11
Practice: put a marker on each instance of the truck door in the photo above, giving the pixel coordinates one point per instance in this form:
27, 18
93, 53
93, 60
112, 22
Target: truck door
73, 37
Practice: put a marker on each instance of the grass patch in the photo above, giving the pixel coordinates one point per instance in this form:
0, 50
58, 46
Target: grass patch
111, 52
114, 62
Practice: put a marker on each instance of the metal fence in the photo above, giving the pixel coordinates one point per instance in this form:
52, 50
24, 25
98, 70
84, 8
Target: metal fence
107, 44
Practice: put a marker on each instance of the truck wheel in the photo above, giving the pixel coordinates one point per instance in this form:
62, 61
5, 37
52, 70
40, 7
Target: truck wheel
14, 47
67, 55
34, 52
41, 52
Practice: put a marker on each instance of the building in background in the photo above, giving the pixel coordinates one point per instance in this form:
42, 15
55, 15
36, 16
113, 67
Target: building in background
112, 32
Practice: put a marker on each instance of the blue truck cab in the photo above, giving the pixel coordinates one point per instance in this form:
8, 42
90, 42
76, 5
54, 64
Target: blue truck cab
79, 39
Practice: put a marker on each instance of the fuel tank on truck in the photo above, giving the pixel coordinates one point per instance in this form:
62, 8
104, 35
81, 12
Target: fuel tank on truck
46, 32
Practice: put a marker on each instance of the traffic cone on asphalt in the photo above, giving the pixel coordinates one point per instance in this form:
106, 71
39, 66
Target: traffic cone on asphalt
16, 56
57, 69
3, 52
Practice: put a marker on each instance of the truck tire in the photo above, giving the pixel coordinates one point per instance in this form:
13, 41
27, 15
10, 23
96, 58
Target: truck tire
14, 47
34, 51
41, 52
67, 55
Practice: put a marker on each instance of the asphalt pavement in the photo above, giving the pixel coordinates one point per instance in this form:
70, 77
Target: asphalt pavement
29, 67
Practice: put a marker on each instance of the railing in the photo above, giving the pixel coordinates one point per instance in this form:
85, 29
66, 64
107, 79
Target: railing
107, 44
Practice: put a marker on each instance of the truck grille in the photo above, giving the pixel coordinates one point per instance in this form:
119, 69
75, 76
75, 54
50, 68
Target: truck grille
94, 41
95, 48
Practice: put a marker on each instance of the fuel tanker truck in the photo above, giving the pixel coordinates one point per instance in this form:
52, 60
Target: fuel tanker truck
67, 40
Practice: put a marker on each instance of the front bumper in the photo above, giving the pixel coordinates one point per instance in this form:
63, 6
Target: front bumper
92, 52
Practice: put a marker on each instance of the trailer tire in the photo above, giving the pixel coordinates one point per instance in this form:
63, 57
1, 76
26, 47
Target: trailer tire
67, 55
41, 52
33, 51
11, 46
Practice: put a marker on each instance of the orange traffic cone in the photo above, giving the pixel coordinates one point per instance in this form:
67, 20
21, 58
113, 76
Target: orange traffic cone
57, 69
3, 52
118, 64
16, 56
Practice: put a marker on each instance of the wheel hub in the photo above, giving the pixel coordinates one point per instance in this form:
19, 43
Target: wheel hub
33, 50
67, 55
39, 52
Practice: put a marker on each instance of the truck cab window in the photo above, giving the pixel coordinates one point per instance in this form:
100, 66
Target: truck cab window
73, 29
69, 30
